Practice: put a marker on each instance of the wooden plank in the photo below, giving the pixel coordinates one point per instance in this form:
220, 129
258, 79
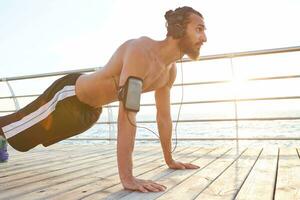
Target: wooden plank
35, 168
44, 172
75, 156
97, 179
52, 151
229, 182
38, 158
32, 176
118, 192
157, 166
288, 177
54, 155
75, 183
38, 149
90, 168
173, 176
23, 156
189, 188
178, 177
261, 181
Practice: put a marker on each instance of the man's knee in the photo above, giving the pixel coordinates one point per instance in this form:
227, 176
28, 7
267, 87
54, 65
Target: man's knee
23, 147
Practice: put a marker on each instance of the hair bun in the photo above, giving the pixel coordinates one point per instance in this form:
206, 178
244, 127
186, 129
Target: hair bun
168, 14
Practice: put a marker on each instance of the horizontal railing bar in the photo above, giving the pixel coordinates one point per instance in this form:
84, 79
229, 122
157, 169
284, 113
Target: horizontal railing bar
219, 101
201, 102
196, 102
273, 78
21, 96
198, 138
202, 83
7, 111
246, 53
208, 57
15, 78
188, 84
215, 120
228, 81
226, 100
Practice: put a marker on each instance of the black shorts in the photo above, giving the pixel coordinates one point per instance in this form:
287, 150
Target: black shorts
55, 115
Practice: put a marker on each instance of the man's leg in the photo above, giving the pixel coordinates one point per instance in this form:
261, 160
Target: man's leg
54, 116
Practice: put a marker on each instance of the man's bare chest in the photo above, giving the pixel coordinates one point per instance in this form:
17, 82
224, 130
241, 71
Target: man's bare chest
156, 78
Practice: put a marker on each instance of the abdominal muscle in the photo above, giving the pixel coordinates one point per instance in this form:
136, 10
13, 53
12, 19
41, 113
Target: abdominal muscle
96, 89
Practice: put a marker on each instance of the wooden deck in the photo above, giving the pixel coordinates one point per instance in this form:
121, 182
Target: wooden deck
90, 172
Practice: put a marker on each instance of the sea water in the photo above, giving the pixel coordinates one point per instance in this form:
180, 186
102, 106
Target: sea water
194, 130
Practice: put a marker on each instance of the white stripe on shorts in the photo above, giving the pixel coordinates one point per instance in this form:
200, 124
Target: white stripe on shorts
44, 111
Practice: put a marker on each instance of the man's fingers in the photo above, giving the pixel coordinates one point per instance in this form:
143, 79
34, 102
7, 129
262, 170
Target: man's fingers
152, 182
178, 165
165, 187
182, 166
191, 166
155, 187
142, 189
151, 188
159, 187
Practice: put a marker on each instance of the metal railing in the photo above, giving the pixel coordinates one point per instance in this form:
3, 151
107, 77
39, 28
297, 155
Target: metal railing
203, 58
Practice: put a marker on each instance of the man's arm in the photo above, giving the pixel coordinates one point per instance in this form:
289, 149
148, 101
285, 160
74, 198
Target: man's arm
125, 143
164, 123
133, 65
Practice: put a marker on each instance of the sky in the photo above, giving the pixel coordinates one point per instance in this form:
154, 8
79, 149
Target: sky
38, 36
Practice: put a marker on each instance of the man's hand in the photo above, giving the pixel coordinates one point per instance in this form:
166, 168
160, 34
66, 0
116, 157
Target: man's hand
179, 165
142, 185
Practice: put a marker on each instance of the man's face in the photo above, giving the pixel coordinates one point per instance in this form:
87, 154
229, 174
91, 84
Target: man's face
194, 37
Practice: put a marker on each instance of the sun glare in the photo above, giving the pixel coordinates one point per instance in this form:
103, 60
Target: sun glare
238, 86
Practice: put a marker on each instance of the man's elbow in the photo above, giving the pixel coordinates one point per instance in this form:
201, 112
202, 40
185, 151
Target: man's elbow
163, 119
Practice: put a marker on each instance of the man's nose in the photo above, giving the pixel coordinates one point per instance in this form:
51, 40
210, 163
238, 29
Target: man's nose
204, 37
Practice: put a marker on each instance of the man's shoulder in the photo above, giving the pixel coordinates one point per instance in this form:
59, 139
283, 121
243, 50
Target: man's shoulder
141, 43
138, 46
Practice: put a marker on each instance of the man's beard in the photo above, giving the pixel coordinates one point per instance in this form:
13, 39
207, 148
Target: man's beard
189, 48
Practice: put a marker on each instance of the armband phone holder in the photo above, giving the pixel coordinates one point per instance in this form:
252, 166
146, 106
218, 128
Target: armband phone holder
130, 93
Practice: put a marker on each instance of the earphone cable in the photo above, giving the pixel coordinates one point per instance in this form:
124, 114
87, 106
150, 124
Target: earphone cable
140, 126
179, 110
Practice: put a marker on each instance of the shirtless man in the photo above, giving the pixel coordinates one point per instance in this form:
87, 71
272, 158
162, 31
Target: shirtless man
73, 103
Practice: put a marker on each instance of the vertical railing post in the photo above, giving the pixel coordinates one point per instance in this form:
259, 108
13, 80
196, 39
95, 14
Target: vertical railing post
234, 85
111, 128
235, 97
17, 105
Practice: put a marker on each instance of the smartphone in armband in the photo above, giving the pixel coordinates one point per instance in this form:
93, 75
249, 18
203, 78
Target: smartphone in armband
130, 93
